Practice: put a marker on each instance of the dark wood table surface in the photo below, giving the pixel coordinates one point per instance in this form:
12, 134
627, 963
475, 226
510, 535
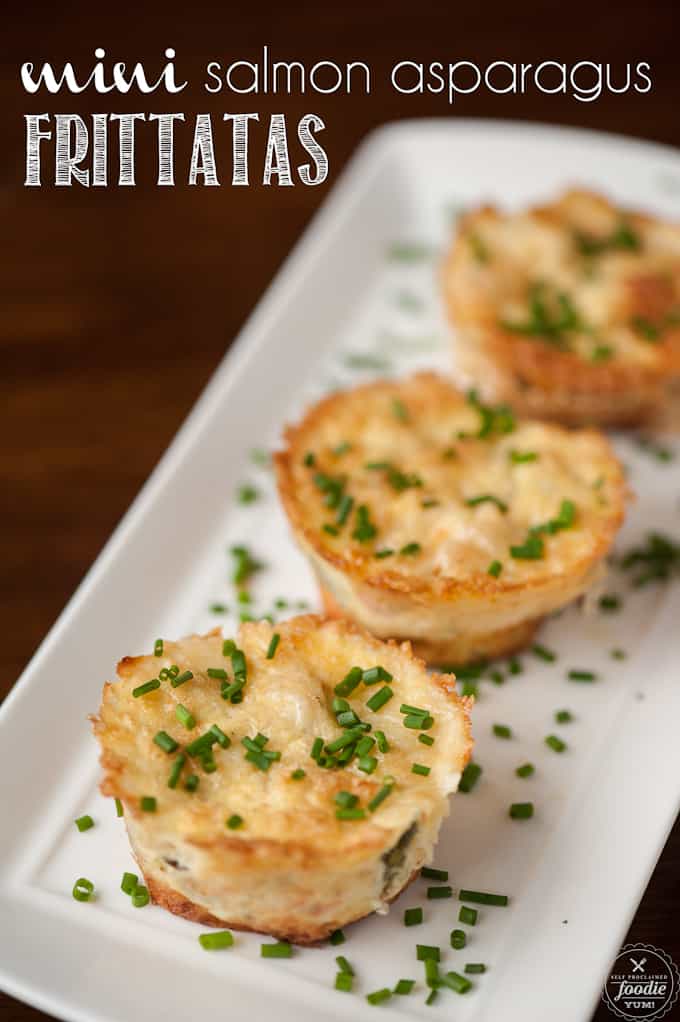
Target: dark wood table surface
119, 303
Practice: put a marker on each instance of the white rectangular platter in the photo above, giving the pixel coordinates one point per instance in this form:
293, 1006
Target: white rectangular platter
348, 305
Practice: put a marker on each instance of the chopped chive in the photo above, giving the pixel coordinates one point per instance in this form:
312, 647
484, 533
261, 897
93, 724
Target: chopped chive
467, 915
192, 782
218, 608
555, 743
473, 968
385, 552
404, 986
426, 739
427, 952
487, 498
531, 550
380, 796
419, 768
381, 741
158, 647
379, 698
482, 897
298, 774
201, 744
543, 653
350, 814
430, 873
418, 723
521, 810
83, 889
337, 937
416, 710
245, 565
431, 997
610, 602
432, 973
364, 529
367, 764
345, 509
317, 748
349, 683
344, 981
344, 965
469, 777
400, 410
217, 672
246, 494
458, 939
129, 883
515, 666
185, 717
119, 807
618, 654
235, 821
282, 949
469, 688
140, 896
147, 804
525, 770
378, 996
84, 823
413, 916
582, 676
345, 799
181, 678
375, 674
165, 742
271, 650
410, 549
497, 677
176, 770
502, 731
309, 459
522, 457
495, 568
459, 984
563, 717
436, 893
148, 686
218, 734
216, 941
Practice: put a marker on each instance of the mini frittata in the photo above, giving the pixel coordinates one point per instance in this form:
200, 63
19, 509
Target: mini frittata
431, 516
279, 782
568, 311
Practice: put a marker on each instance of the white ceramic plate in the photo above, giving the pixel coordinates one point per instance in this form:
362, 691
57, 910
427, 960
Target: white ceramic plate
339, 311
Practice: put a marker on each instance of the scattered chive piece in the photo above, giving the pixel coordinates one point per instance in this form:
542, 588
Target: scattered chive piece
555, 743
165, 742
458, 939
400, 410
345, 509
119, 807
192, 782
618, 654
521, 810
245, 565
430, 873
317, 748
417, 722
610, 602
434, 893
350, 814
282, 949
271, 650
147, 804
427, 952
525, 770
410, 549
234, 822
201, 744
381, 741
482, 897
337, 937
426, 739
129, 883
218, 734
543, 653
216, 941
344, 965
515, 666
563, 717
349, 683
431, 997
309, 459
380, 796
386, 552
404, 986
344, 981
502, 731
459, 984
246, 494
531, 550
432, 973
364, 529
487, 498
148, 686
375, 674
473, 968
418, 768
217, 672
345, 799
218, 608
176, 770
181, 678
379, 698
367, 764
469, 777
185, 717
158, 647
84, 823
378, 996
521, 457
497, 677
413, 916
495, 568
83, 889
467, 915
140, 896
298, 774
582, 676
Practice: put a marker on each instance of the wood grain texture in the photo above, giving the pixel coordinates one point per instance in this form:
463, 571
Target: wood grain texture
118, 303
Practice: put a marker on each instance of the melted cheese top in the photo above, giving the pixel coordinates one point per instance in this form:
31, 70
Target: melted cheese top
289, 699
410, 452
620, 272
